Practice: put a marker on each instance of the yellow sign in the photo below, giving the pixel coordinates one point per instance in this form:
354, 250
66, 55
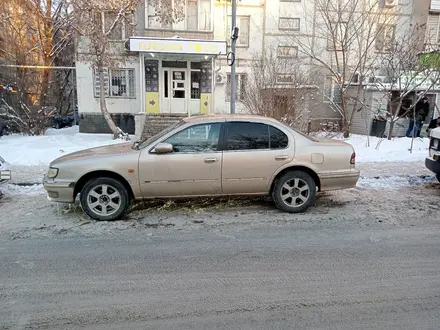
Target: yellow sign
205, 103
178, 46
152, 102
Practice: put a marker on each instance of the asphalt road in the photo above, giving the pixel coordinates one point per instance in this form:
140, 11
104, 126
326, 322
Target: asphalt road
272, 277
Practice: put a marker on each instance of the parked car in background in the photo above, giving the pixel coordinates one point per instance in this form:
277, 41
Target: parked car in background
5, 174
68, 120
205, 156
433, 161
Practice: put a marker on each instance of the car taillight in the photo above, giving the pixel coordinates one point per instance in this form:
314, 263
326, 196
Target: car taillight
353, 158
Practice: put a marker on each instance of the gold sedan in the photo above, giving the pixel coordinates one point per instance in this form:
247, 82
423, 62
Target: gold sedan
204, 156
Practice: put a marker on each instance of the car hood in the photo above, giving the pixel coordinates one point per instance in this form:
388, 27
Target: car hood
114, 149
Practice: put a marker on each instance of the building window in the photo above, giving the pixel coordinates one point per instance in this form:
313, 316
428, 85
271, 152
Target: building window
287, 51
331, 90
178, 15
337, 36
288, 23
123, 30
388, 3
244, 25
284, 78
117, 83
385, 38
241, 80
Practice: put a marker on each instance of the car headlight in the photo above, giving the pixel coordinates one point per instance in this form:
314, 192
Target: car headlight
52, 173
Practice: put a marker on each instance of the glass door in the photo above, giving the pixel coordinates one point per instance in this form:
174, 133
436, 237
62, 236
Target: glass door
178, 91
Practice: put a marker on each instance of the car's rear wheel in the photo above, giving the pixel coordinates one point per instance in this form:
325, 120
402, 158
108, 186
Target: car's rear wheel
294, 192
104, 199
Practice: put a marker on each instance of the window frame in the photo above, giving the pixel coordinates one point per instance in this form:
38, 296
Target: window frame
384, 48
268, 125
108, 93
239, 95
124, 33
229, 29
339, 43
289, 28
171, 26
334, 86
219, 143
295, 48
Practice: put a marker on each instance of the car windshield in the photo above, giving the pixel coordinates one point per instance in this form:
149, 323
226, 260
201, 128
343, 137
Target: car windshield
150, 140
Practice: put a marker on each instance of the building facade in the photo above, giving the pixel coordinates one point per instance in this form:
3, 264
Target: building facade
178, 66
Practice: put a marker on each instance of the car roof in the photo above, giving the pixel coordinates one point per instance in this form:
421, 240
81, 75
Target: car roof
201, 118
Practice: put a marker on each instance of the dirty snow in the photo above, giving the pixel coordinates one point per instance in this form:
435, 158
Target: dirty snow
41, 150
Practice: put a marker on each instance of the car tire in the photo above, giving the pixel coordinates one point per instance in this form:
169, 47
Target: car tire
294, 192
104, 199
3, 131
438, 177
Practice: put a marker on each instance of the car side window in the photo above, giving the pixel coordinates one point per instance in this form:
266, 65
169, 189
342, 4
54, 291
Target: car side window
278, 140
246, 136
198, 138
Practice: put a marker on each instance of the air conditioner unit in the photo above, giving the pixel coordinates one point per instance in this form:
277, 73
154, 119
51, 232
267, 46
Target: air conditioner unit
220, 78
391, 3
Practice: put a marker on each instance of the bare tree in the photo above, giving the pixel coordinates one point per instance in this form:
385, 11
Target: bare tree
409, 78
97, 21
340, 40
276, 87
35, 33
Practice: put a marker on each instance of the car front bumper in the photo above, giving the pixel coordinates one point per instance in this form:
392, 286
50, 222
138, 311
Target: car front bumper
5, 176
58, 190
432, 165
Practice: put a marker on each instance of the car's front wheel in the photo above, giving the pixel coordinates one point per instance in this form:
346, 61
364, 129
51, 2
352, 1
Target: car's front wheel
294, 192
104, 199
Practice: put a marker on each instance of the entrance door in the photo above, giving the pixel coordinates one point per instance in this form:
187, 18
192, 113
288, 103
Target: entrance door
178, 91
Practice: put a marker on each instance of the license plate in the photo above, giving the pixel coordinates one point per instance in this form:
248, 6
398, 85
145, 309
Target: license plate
5, 175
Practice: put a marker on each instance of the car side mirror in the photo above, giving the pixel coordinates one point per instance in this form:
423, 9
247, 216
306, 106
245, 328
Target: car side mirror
163, 148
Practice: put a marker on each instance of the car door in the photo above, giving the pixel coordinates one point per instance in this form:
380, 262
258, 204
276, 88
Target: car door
252, 153
193, 168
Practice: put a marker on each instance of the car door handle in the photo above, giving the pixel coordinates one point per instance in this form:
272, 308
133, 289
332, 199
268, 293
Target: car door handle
211, 160
281, 157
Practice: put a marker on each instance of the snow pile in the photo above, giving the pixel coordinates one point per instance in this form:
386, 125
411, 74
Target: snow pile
16, 190
383, 150
373, 149
41, 150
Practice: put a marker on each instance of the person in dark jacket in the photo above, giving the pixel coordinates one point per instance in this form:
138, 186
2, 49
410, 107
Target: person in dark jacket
417, 116
3, 127
422, 107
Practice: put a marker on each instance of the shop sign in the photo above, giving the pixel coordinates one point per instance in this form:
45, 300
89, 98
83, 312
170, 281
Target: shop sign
178, 46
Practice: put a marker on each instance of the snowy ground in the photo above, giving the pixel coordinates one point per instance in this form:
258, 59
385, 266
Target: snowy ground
393, 181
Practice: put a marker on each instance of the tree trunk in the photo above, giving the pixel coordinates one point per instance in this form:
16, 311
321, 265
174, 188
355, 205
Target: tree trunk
346, 127
111, 124
390, 132
47, 49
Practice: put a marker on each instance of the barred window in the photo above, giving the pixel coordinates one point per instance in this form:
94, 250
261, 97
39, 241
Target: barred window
117, 83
